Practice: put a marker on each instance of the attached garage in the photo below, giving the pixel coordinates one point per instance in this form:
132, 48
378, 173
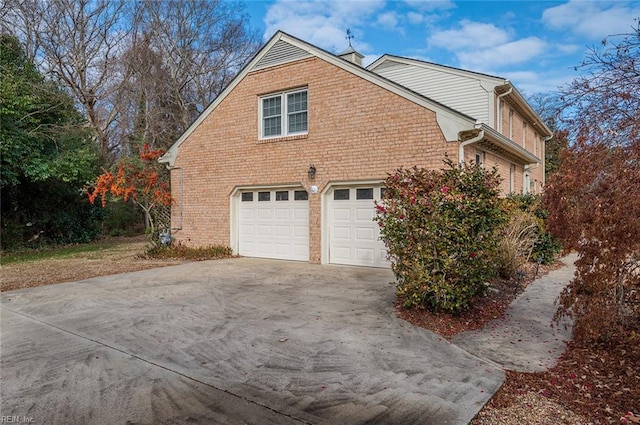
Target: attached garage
353, 235
274, 223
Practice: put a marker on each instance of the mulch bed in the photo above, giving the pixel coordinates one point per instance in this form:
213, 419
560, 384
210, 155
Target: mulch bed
600, 382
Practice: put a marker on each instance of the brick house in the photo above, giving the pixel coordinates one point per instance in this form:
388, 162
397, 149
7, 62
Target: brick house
286, 163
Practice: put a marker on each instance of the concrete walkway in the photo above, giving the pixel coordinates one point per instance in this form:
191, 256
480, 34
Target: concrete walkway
526, 339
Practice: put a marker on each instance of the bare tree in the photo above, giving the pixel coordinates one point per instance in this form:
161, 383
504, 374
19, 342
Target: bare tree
203, 44
81, 41
140, 72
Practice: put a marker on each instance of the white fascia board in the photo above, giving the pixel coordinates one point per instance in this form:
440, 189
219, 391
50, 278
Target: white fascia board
509, 145
485, 79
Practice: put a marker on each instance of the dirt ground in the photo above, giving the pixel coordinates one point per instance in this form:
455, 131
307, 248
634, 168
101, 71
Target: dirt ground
118, 258
590, 385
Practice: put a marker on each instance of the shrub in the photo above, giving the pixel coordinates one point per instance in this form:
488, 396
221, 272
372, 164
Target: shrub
439, 228
179, 251
545, 247
524, 236
517, 240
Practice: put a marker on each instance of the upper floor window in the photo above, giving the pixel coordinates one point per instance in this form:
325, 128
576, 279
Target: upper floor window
283, 114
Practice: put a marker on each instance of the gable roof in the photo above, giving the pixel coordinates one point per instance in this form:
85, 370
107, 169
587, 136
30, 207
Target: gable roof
283, 48
490, 83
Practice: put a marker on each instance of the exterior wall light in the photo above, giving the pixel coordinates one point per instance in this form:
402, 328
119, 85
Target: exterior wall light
312, 172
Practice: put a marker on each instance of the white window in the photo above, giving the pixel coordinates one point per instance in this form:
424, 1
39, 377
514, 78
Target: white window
479, 157
511, 124
283, 114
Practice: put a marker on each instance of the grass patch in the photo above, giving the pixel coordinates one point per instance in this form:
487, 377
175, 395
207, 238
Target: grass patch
181, 252
52, 253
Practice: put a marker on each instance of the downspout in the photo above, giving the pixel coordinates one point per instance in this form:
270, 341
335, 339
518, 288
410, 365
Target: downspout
171, 168
499, 99
462, 145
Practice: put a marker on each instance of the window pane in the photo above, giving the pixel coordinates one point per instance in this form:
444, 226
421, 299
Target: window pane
341, 194
282, 195
272, 127
301, 195
272, 116
271, 106
298, 122
364, 193
247, 196
383, 192
297, 112
297, 102
264, 196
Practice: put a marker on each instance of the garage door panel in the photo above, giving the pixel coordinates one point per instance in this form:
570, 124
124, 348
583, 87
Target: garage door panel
354, 237
247, 214
276, 227
282, 231
264, 213
301, 232
366, 234
364, 254
341, 233
301, 213
341, 214
365, 213
282, 213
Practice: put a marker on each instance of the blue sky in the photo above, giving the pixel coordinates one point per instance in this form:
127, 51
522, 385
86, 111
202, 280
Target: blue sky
535, 44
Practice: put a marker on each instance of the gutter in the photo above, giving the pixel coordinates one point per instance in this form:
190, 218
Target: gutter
499, 99
478, 138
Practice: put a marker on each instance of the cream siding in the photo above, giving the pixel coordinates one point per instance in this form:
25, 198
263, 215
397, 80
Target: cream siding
463, 94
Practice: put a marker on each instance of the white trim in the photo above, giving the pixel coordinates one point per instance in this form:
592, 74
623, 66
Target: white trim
284, 114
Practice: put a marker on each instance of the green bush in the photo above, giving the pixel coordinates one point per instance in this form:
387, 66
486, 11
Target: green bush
545, 247
439, 228
516, 241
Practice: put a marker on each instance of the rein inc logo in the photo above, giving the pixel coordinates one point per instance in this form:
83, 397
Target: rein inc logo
16, 420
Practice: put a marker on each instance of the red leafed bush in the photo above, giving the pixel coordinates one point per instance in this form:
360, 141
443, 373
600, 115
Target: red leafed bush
594, 198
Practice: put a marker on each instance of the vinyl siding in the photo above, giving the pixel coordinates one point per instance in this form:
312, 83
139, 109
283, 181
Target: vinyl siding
464, 94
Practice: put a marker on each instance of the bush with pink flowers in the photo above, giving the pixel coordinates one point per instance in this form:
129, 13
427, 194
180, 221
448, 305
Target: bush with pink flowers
440, 231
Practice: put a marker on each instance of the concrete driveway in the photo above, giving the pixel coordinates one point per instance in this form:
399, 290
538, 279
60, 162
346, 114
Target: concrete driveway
231, 342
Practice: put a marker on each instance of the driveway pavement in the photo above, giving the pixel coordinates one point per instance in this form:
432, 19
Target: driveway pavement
231, 341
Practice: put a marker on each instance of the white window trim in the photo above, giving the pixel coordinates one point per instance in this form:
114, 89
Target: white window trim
479, 155
284, 115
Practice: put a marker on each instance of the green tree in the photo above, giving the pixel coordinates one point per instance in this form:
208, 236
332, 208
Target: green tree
47, 155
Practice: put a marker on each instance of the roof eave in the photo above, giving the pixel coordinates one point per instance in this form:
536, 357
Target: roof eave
509, 147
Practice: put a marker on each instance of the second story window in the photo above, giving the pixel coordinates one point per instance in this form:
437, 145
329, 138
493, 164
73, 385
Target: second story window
283, 114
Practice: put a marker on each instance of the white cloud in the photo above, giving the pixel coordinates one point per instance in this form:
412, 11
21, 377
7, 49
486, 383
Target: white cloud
470, 35
511, 53
388, 20
322, 23
430, 5
415, 18
591, 19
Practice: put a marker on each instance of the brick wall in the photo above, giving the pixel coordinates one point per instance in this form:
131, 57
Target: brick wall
357, 131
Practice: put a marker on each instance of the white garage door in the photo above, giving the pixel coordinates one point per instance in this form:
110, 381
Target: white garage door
353, 235
274, 224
